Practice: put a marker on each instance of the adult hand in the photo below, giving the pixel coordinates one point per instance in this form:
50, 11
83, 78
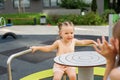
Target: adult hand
105, 49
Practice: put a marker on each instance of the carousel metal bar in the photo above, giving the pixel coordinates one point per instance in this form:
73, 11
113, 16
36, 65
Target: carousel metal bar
11, 58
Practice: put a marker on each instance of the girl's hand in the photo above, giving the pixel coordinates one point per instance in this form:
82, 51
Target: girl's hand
95, 43
105, 49
34, 48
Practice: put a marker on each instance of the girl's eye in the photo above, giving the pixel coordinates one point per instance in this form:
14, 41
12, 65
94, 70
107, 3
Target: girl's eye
66, 33
69, 33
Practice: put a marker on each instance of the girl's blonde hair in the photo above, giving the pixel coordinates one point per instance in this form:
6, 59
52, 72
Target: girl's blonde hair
66, 23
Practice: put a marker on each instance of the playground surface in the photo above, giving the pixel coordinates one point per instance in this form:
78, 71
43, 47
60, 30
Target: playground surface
30, 35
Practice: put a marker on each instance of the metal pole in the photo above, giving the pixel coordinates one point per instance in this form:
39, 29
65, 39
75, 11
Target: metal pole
10, 60
85, 73
110, 26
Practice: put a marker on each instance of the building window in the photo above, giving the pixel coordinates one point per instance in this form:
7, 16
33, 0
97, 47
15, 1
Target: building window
46, 3
24, 3
51, 3
1, 4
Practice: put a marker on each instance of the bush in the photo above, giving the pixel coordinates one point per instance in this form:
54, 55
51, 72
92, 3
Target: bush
53, 19
88, 19
106, 13
91, 18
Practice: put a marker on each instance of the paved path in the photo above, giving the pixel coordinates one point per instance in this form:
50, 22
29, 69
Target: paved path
37, 35
44, 29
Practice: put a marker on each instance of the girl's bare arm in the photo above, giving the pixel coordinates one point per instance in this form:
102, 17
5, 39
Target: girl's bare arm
84, 42
46, 48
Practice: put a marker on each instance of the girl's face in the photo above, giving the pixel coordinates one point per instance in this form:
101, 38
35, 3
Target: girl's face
67, 33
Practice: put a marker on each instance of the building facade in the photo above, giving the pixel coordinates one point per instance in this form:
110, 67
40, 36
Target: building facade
13, 6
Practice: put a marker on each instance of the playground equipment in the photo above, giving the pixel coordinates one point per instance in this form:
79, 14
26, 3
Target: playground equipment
11, 58
2, 22
97, 70
13, 35
7, 33
9, 61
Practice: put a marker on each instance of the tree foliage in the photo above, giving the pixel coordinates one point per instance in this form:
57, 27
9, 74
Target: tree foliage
73, 4
94, 6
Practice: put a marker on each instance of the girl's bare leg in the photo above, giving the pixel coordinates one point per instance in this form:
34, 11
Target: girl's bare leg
71, 74
57, 75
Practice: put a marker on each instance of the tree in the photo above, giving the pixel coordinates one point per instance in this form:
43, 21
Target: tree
69, 4
73, 4
94, 6
21, 8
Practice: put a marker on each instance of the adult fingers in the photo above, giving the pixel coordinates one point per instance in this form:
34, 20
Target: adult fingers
103, 39
98, 41
97, 49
